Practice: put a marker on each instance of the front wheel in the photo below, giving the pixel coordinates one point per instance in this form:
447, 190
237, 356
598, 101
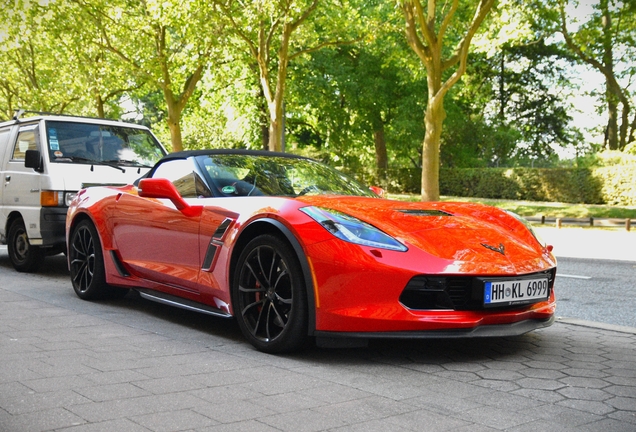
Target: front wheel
24, 256
88, 274
269, 296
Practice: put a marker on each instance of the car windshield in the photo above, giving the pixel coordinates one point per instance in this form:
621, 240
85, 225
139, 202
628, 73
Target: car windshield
70, 142
253, 175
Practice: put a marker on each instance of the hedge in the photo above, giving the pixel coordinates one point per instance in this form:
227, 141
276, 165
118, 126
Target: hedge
614, 185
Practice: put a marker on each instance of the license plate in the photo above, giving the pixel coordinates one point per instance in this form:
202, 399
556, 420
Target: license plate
517, 291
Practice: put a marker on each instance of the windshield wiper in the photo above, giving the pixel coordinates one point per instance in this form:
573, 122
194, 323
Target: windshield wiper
96, 162
128, 162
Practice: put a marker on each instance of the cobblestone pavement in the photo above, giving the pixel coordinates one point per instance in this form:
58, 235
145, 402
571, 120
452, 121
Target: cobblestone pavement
133, 365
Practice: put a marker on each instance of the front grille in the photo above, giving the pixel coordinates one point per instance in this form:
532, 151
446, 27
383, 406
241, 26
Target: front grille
452, 292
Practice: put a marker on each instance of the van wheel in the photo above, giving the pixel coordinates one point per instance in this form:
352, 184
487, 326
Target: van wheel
24, 256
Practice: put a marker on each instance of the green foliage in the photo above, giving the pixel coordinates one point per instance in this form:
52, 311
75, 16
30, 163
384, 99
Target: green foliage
341, 96
608, 158
342, 102
40, 68
538, 208
516, 92
607, 185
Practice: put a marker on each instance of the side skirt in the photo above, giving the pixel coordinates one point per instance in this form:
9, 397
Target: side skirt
170, 300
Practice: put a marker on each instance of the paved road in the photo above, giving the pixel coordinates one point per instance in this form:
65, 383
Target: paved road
133, 365
597, 290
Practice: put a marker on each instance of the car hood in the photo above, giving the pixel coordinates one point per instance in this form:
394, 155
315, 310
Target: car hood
461, 232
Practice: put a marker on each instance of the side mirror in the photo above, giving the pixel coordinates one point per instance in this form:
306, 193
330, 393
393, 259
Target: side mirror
162, 188
33, 159
378, 191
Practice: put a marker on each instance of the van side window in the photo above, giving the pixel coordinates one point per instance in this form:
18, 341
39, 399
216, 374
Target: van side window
27, 140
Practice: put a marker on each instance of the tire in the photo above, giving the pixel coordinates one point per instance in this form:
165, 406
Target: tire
86, 258
269, 297
24, 256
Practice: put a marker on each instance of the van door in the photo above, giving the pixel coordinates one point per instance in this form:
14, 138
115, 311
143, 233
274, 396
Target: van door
4, 150
22, 185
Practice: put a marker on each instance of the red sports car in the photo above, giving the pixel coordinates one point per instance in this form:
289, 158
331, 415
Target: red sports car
296, 251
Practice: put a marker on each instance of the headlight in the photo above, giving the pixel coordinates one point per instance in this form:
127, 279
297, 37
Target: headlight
69, 197
353, 230
56, 198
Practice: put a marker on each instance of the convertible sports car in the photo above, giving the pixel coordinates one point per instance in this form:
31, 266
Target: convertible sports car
296, 251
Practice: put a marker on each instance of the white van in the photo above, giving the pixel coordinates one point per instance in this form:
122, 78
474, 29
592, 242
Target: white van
46, 160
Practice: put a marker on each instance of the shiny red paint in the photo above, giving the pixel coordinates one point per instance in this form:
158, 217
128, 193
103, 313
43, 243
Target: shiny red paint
163, 243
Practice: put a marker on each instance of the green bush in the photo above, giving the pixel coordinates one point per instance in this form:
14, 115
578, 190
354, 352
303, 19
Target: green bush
614, 185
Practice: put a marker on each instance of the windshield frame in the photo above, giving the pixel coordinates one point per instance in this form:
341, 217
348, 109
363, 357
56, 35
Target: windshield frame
249, 173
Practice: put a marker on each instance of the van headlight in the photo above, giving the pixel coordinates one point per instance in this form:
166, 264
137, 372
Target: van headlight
56, 198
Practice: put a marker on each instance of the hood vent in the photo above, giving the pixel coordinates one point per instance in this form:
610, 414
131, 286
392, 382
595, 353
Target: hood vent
417, 212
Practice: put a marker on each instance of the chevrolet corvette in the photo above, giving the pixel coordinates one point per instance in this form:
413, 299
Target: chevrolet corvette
297, 252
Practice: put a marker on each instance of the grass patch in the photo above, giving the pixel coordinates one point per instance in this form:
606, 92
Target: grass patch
547, 209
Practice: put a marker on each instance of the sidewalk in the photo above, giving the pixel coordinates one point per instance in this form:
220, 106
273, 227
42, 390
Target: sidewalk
70, 365
615, 244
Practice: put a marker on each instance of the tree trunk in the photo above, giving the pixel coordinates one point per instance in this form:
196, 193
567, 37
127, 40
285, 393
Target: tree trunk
381, 157
608, 63
276, 125
175, 135
100, 104
612, 121
173, 120
263, 118
433, 121
275, 101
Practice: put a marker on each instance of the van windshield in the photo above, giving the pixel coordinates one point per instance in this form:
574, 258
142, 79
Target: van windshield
70, 142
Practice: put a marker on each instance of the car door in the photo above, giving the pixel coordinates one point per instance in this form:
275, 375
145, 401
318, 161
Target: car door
155, 239
21, 185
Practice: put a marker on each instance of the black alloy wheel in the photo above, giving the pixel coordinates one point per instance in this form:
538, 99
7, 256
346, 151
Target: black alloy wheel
269, 296
88, 274
24, 256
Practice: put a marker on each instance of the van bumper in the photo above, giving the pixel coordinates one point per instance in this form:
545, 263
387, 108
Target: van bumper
53, 226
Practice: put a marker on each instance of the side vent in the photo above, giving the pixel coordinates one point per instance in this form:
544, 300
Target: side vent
215, 243
118, 264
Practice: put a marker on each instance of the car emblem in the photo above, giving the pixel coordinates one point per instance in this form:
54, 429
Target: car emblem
499, 249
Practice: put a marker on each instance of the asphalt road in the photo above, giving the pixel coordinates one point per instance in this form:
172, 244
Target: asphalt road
597, 290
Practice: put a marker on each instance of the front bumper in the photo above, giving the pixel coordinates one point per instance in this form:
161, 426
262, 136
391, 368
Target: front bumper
493, 330
53, 226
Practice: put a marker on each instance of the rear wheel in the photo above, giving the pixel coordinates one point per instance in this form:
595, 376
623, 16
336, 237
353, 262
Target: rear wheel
269, 296
24, 256
88, 274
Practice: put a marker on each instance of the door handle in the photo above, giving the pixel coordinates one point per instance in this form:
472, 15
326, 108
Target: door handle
7, 178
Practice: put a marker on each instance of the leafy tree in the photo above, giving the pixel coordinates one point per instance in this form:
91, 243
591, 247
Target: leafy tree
36, 74
524, 85
164, 45
354, 104
607, 42
277, 32
429, 32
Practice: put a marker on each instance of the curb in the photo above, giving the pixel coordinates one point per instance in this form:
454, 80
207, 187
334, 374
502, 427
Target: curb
596, 325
